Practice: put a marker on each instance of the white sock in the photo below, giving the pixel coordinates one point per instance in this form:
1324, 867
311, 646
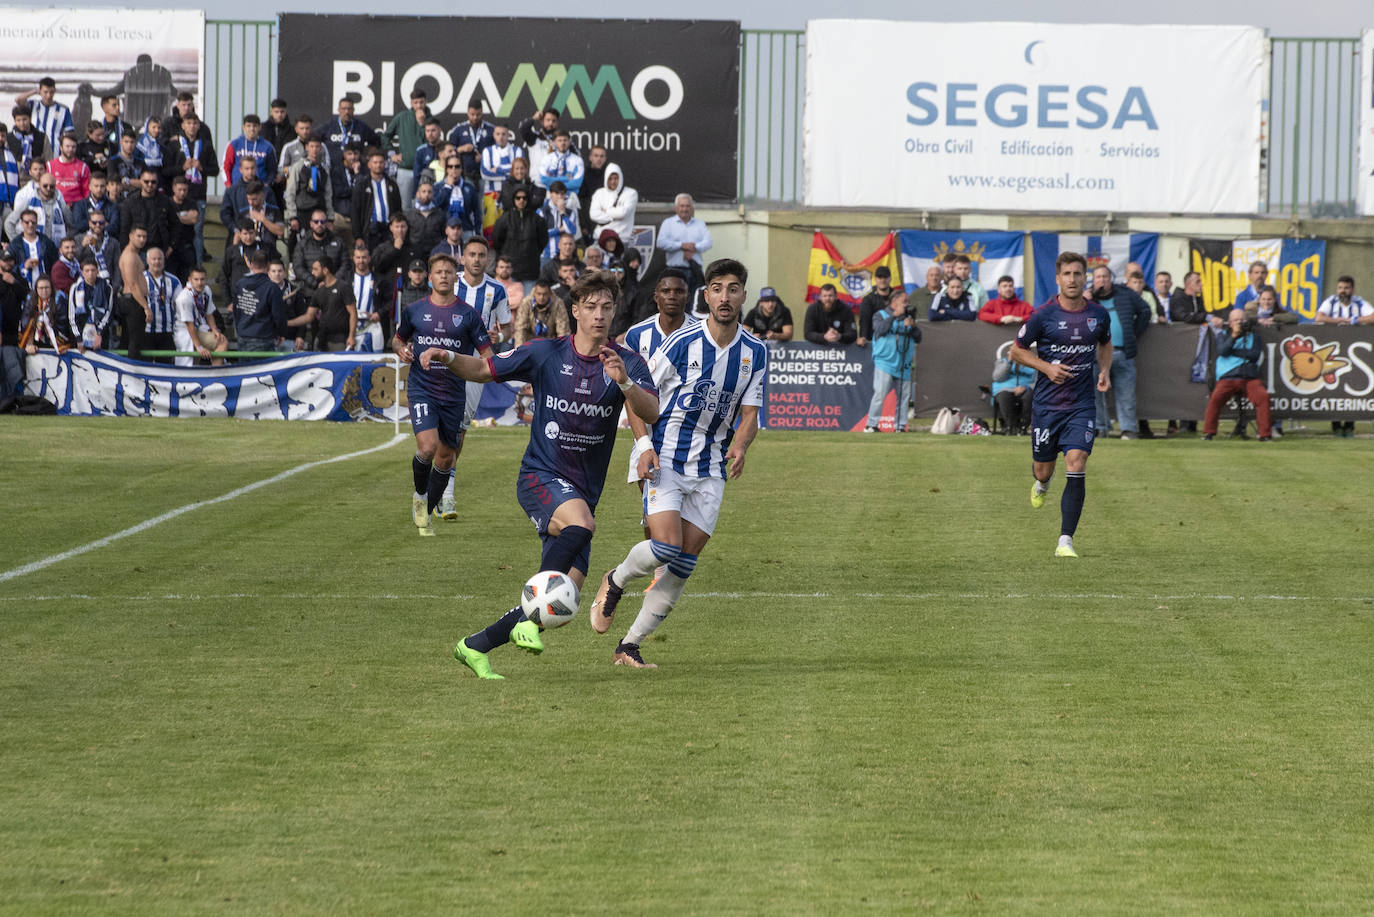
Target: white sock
448, 488
641, 561
658, 601
1041, 486
1066, 541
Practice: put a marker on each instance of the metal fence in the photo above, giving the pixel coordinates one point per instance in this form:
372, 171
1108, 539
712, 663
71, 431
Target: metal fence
1311, 132
1313, 126
240, 77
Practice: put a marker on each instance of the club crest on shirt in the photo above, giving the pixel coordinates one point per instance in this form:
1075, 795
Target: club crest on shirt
1092, 324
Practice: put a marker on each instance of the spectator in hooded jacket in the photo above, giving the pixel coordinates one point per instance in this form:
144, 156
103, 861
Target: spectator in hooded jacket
895, 336
614, 204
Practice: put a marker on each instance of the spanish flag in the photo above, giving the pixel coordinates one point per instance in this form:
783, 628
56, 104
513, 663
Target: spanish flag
852, 281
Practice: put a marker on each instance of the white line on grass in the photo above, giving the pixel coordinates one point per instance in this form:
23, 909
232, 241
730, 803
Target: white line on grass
875, 596
181, 510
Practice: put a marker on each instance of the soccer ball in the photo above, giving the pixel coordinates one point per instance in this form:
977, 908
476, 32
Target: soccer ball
550, 598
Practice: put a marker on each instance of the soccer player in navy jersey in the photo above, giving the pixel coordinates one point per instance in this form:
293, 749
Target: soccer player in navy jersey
437, 399
709, 375
1073, 346
580, 383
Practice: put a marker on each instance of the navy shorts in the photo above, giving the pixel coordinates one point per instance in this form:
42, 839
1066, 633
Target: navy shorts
540, 494
428, 413
1059, 431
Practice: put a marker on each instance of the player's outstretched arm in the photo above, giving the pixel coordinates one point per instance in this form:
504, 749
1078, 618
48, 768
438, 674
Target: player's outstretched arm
744, 435
473, 369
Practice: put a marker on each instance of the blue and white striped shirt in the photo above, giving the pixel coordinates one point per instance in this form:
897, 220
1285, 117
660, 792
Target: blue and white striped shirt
487, 297
52, 121
701, 388
647, 336
162, 294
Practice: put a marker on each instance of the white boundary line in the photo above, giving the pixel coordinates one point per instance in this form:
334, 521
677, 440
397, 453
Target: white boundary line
828, 596
181, 510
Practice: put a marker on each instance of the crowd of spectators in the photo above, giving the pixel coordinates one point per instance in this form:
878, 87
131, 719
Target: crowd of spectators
327, 223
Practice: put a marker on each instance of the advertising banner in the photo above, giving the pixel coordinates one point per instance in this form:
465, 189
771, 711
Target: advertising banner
661, 95
993, 255
1295, 270
1009, 116
143, 56
1114, 251
852, 281
811, 387
1365, 189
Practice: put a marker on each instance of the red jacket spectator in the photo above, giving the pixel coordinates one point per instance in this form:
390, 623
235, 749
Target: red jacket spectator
994, 311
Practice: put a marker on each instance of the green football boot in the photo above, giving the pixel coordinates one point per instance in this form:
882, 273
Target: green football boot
478, 662
526, 636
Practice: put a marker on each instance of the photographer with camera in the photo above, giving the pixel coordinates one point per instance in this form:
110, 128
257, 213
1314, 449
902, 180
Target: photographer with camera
895, 337
1238, 374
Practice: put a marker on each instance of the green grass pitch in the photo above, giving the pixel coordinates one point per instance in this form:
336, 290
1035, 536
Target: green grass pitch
882, 694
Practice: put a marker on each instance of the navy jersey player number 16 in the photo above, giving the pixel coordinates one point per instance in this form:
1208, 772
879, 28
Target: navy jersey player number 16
1073, 350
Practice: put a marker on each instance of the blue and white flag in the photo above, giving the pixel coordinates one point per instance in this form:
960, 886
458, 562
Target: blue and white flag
993, 254
1115, 251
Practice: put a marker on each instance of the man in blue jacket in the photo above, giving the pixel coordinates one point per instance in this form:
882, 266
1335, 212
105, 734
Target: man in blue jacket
259, 310
895, 337
1238, 375
1130, 317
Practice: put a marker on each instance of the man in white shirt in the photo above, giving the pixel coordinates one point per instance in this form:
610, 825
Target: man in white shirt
194, 329
683, 238
1345, 308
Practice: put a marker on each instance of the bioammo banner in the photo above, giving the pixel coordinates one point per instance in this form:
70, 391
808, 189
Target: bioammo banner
661, 95
306, 387
1295, 270
1033, 116
143, 56
1366, 102
811, 387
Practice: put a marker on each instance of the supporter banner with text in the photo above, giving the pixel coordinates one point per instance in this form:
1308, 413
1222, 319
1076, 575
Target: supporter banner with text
306, 387
852, 281
143, 56
1007, 116
1316, 372
661, 95
1365, 189
811, 387
1295, 270
1114, 251
993, 255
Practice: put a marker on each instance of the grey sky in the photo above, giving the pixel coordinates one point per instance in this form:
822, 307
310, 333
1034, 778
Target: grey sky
1333, 18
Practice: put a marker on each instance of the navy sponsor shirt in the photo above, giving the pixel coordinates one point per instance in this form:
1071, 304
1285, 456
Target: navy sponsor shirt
1071, 339
456, 327
576, 409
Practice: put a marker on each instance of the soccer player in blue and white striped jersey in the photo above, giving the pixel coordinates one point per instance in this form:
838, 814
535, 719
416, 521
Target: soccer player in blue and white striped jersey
709, 375
51, 118
644, 338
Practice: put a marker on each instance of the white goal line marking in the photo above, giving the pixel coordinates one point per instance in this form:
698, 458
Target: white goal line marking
829, 596
189, 507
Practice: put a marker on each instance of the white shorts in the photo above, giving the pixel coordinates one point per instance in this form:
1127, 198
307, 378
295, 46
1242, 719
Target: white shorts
697, 499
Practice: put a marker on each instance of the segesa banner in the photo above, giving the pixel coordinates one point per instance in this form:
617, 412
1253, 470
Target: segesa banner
1007, 116
662, 96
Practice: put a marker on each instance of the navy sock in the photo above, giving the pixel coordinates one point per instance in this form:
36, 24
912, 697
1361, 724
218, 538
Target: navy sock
438, 483
420, 468
498, 634
561, 552
1071, 504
